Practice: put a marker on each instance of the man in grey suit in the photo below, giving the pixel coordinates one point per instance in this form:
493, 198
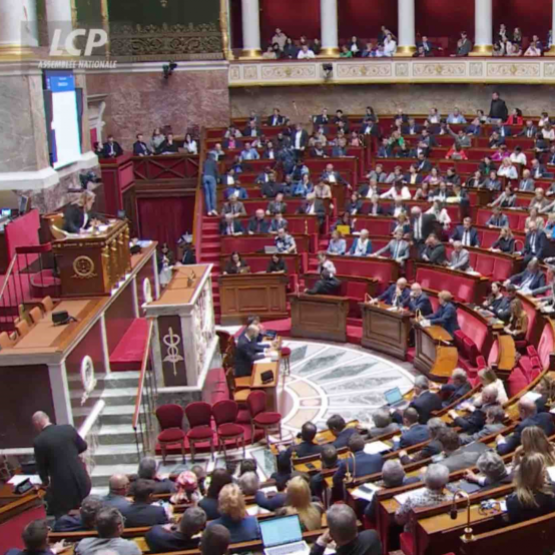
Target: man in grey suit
455, 456
397, 248
459, 257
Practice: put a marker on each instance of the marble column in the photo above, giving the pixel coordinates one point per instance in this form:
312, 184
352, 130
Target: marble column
483, 28
60, 23
251, 29
551, 51
328, 25
18, 28
405, 18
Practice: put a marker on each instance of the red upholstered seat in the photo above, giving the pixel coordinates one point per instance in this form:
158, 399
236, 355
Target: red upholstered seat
285, 352
459, 337
200, 433
517, 382
407, 543
470, 350
267, 418
256, 403
225, 415
199, 415
171, 435
229, 430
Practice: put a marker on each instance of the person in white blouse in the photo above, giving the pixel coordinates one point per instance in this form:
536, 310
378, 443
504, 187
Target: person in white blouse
548, 132
441, 214
433, 116
507, 169
544, 119
518, 157
488, 377
389, 46
398, 191
305, 53
190, 145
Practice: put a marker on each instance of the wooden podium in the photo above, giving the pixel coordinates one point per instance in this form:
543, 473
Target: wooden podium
245, 294
385, 330
93, 262
434, 356
319, 317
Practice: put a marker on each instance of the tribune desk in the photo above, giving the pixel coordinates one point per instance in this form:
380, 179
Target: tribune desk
385, 329
435, 357
244, 294
319, 317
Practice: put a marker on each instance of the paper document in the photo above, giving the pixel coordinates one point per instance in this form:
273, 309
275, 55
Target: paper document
402, 497
532, 395
19, 478
376, 447
265, 360
366, 492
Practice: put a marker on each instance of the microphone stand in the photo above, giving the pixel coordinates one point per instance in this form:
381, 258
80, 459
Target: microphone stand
468, 535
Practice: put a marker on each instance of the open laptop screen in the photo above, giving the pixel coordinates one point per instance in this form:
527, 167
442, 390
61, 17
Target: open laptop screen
393, 396
281, 531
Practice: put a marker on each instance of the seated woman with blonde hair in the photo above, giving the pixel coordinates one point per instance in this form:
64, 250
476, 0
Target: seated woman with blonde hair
299, 502
533, 440
241, 526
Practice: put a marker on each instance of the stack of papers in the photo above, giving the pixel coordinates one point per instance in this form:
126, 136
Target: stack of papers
376, 447
19, 478
402, 497
366, 492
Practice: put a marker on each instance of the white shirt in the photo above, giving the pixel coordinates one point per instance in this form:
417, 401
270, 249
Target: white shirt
389, 47
191, 147
329, 266
302, 55
518, 158
360, 249
508, 171
298, 136
392, 193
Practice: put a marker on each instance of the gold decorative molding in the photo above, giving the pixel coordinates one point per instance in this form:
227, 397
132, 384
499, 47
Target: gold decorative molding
405, 51
481, 50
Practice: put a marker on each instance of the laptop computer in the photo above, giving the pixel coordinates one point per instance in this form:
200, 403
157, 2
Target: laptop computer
283, 536
394, 397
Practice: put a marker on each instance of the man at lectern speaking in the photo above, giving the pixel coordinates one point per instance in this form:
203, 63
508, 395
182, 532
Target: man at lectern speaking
78, 215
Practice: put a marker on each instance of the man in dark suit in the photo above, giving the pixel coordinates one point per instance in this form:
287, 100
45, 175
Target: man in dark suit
535, 244
57, 450
498, 109
85, 520
421, 225
434, 251
79, 215
258, 224
338, 427
323, 118
117, 495
230, 226
299, 140
396, 294
446, 314
313, 206
248, 351
140, 148
361, 463
328, 284
433, 447
369, 127
148, 470
457, 457
411, 128
424, 401
529, 130
276, 119
423, 165
476, 420
329, 175
458, 387
163, 538
168, 146
418, 301
532, 278
141, 512
528, 417
307, 447
414, 432
35, 540
466, 234
112, 149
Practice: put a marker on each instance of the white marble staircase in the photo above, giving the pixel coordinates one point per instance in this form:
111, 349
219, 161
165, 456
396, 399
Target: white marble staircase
116, 451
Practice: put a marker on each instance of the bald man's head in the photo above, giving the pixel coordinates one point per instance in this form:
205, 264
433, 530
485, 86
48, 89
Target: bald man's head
527, 408
118, 484
40, 420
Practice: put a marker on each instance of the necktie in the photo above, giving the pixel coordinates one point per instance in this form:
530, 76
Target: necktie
112, 150
465, 239
533, 243
396, 251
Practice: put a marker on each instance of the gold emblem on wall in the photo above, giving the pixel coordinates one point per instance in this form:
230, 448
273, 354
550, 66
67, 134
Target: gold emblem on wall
83, 266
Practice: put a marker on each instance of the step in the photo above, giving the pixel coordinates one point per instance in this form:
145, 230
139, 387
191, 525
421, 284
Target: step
106, 381
102, 472
112, 396
125, 453
110, 434
117, 414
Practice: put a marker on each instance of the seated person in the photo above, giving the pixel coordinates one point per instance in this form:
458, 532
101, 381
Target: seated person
236, 190
533, 496
86, 519
374, 208
424, 401
492, 469
303, 187
117, 495
235, 265
338, 427
343, 531
382, 424
148, 470
276, 265
496, 302
299, 502
435, 480
109, 526
398, 249
248, 351
306, 447
395, 295
313, 207
535, 244
529, 416
361, 464
466, 234
235, 518
168, 146
329, 175
456, 457
322, 190
505, 243
413, 432
362, 246
345, 220
234, 207
284, 471
328, 284
285, 243
220, 477
270, 189
278, 222
35, 540
140, 148
276, 206
337, 244
112, 148
258, 224
433, 447
457, 388
494, 424
393, 476
142, 512
446, 314
329, 460
354, 205
172, 537
460, 258
434, 250
418, 301
230, 226
518, 321
476, 420
79, 215
497, 218
215, 540
532, 278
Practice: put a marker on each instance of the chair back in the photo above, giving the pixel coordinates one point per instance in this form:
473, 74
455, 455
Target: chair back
22, 328
224, 340
225, 412
198, 413
47, 304
36, 314
170, 416
256, 403
5, 341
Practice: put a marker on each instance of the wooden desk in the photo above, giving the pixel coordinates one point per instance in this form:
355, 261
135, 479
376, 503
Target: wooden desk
319, 317
270, 388
245, 294
385, 330
433, 358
